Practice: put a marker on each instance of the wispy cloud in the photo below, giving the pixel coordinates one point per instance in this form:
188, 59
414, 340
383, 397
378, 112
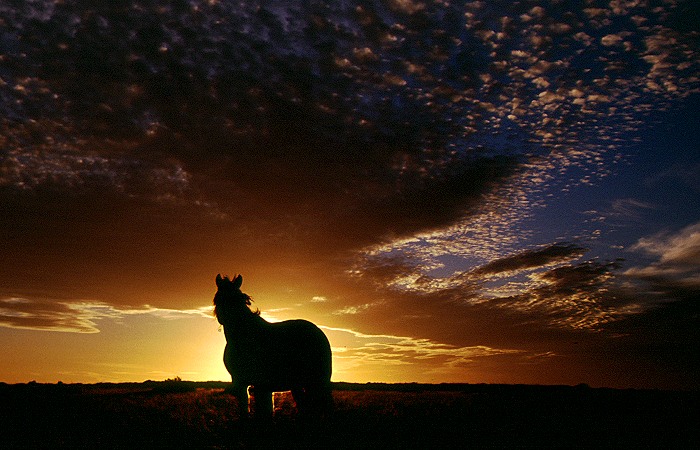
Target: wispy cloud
364, 348
689, 175
357, 309
77, 316
678, 258
630, 209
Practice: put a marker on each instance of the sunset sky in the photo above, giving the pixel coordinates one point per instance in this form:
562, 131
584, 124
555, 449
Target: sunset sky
481, 192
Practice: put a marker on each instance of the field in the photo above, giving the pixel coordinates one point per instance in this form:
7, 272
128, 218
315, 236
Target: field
179, 414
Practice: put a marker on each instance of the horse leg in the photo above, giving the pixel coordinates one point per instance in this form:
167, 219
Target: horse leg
240, 392
262, 402
300, 398
325, 394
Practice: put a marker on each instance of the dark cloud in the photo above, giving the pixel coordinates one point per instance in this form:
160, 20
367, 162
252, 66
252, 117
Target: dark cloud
294, 95
573, 296
540, 286
250, 108
533, 258
385, 270
326, 112
575, 278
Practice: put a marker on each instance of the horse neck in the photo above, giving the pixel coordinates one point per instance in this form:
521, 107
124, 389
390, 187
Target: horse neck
245, 325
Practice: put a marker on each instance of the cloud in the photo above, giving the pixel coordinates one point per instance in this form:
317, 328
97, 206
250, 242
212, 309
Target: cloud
76, 316
297, 124
45, 315
575, 296
544, 286
630, 209
678, 256
352, 310
682, 248
401, 350
203, 109
552, 254
688, 174
251, 97
611, 39
164, 181
407, 6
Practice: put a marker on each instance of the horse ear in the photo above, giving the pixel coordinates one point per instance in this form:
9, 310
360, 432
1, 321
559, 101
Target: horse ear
237, 282
219, 280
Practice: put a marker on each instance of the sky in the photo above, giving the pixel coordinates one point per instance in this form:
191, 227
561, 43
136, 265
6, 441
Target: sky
479, 192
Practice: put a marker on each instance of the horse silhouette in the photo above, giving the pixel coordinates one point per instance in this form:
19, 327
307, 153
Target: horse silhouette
264, 357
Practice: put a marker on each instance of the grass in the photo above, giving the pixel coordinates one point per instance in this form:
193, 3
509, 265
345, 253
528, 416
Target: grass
180, 414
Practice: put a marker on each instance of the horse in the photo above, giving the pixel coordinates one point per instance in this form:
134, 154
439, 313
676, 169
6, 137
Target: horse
264, 357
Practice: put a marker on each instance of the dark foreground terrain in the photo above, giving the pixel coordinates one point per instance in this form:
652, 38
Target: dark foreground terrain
178, 414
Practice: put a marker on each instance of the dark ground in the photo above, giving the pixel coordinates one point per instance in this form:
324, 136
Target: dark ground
178, 414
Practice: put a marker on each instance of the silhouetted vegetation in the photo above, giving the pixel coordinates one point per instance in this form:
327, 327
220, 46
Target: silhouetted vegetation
184, 414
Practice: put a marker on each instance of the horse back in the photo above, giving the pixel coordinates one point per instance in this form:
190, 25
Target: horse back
281, 355
302, 346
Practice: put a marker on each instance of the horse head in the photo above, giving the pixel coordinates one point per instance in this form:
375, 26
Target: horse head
229, 301
226, 285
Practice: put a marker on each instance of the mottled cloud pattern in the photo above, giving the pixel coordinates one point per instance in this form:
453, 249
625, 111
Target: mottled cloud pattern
102, 93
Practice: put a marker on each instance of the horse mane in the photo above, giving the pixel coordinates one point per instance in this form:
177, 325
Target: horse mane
238, 295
